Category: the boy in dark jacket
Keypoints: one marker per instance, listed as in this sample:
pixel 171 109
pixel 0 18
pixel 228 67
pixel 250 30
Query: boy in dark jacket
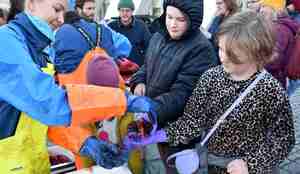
pixel 174 61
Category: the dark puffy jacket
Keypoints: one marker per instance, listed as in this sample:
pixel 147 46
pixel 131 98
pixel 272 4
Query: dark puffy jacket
pixel 172 67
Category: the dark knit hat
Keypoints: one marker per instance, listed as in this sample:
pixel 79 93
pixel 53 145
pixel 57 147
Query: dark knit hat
pixel 126 4
pixel 103 71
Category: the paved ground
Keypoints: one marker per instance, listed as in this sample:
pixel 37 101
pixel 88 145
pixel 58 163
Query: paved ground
pixel 292 164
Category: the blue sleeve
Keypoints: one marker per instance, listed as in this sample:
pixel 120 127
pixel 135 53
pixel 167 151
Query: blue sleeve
pixel 68 54
pixel 213 29
pixel 26 87
pixel 121 44
pixel 71 4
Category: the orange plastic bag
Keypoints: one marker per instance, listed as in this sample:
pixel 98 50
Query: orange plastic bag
pixel 71 137
pixel 91 103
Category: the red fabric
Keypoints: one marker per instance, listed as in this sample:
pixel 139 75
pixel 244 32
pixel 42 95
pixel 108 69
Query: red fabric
pixel 127 68
pixel 294 63
pixel 103 135
pixel 296 4
pixel 284 43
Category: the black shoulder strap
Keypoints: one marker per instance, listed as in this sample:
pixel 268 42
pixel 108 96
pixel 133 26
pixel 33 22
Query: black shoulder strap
pixel 88 38
pixel 98 36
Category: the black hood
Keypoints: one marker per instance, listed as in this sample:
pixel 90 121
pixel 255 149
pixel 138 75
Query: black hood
pixel 192 8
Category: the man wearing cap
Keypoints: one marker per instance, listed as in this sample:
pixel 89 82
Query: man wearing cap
pixel 134 29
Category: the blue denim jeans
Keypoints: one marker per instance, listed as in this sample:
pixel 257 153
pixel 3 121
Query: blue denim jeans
pixel 293 85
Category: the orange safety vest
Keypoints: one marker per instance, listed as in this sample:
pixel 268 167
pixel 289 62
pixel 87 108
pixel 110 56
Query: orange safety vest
pixel 91 103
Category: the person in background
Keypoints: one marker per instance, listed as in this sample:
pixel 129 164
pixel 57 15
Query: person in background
pixel 225 9
pixel 134 29
pixel 16 6
pixel 86 9
pixel 285 29
pixel 293 7
pixel 259 132
pixel 174 61
pixel 3 17
pixel 69 54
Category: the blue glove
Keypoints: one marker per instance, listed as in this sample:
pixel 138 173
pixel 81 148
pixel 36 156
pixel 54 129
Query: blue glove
pixel 139 103
pixel 134 142
pixel 104 154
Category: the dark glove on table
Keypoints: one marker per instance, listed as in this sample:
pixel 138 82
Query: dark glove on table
pixel 103 153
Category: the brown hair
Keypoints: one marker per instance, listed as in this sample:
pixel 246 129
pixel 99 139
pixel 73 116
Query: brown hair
pixel 250 33
pixel 232 6
pixel 80 3
pixel 16 6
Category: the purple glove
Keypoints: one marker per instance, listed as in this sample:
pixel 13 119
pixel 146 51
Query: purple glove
pixel 134 142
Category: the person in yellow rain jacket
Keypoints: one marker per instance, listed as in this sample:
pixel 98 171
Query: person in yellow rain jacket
pixel 30 100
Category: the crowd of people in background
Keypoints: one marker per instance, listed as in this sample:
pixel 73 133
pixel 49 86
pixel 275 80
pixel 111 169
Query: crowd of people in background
pixel 244 70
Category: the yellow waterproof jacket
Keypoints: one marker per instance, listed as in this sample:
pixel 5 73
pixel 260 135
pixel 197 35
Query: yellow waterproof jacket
pixel 26 152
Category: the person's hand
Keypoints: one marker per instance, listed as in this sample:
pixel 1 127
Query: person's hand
pixel 220 12
pixel 139 103
pixel 136 141
pixel 140 89
pixel 238 166
pixel 103 153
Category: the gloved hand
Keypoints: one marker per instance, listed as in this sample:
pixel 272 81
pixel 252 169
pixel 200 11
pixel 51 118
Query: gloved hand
pixel 104 154
pixel 148 118
pixel 133 142
pixel 139 103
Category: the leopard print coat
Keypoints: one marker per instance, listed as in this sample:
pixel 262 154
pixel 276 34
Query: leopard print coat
pixel 260 130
